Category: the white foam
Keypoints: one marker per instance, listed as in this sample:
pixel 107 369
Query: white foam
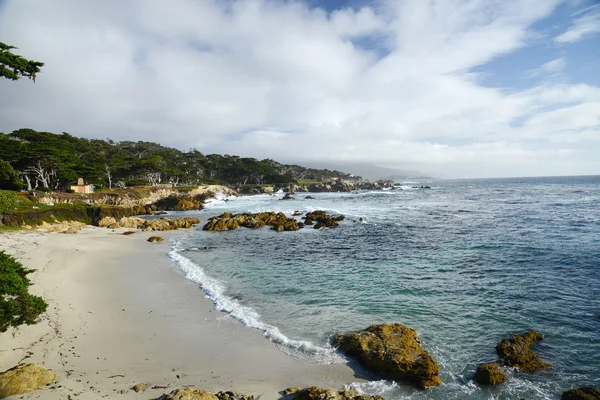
pixel 215 290
pixel 372 388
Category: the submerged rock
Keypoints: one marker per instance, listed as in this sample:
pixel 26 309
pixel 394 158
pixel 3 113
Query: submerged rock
pixel 24 378
pixel 582 393
pixel 189 394
pixel 315 393
pixel 391 351
pixel 489 374
pixel 516 352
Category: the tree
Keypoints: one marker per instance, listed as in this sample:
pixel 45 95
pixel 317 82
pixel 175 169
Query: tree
pixel 17 306
pixel 9 178
pixel 13 66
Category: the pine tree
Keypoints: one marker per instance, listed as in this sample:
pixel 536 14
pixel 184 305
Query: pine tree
pixel 13 66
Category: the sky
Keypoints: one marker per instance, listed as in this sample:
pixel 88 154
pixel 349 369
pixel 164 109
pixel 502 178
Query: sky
pixel 451 88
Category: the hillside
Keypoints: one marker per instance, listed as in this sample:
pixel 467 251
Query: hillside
pixel 54 161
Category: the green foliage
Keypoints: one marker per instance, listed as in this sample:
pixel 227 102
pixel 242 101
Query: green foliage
pixel 17 306
pixel 62 158
pixel 8 201
pixel 13 66
pixel 9 178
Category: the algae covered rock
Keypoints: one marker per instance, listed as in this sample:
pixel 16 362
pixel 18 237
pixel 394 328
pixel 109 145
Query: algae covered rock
pixel 393 352
pixel 489 374
pixel 516 352
pixel 189 394
pixel 290 390
pixel 315 393
pixel 24 378
pixel 155 239
pixel 582 393
pixel 229 395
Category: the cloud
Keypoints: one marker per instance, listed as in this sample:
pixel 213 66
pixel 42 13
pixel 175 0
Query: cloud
pixel 389 84
pixel 551 68
pixel 586 23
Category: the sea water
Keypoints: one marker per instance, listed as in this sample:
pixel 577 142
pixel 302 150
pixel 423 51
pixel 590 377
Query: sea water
pixel 466 263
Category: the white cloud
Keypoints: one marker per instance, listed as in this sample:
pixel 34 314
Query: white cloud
pixel 586 24
pixel 387 84
pixel 551 68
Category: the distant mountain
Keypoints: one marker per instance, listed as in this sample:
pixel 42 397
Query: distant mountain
pixel 368 171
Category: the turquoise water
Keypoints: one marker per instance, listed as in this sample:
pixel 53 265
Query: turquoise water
pixel 466 263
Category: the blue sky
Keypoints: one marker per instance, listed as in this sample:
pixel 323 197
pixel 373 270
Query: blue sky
pixel 455 88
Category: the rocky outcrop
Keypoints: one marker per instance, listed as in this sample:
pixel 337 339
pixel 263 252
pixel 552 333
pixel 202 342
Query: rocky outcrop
pixel 189 394
pixel 287 196
pixel 393 352
pixel 155 239
pixel 158 224
pixel 321 219
pixel 315 393
pixel 489 374
pixel 180 202
pixel 516 352
pixel 277 221
pixel 24 378
pixel 582 393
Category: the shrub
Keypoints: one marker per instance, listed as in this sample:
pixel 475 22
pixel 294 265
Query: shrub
pixel 8 201
pixel 17 306
pixel 9 178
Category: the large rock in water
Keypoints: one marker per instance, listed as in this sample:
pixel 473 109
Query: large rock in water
pixel 315 393
pixel 393 352
pixel 516 352
pixel 489 374
pixel 189 394
pixel 24 378
pixel 583 393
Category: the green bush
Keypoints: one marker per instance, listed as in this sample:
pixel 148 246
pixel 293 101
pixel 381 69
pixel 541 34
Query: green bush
pixel 17 306
pixel 8 201
pixel 9 178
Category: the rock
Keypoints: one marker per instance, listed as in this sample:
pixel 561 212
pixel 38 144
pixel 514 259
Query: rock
pixel 24 378
pixel 315 393
pixel 290 390
pixel 516 352
pixel 139 387
pixel 582 393
pixel 168 224
pixel 287 196
pixel 131 222
pixel 127 233
pixel 278 221
pixel 309 198
pixel 106 222
pixel 155 239
pixel 233 396
pixel 391 351
pixel 297 213
pixel 189 394
pixel 489 374
pixel 323 219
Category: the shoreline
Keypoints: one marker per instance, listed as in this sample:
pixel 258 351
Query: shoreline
pixel 121 312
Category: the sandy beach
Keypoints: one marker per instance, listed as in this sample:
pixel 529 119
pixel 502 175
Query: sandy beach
pixel 121 312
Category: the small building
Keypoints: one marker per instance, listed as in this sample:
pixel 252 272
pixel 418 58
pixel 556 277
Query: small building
pixel 82 188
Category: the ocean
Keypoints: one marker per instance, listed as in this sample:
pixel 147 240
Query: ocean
pixel 466 263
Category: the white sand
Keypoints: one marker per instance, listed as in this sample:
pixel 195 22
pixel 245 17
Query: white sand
pixel 120 313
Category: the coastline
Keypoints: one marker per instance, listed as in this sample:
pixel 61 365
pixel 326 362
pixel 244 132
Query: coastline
pixel 121 312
